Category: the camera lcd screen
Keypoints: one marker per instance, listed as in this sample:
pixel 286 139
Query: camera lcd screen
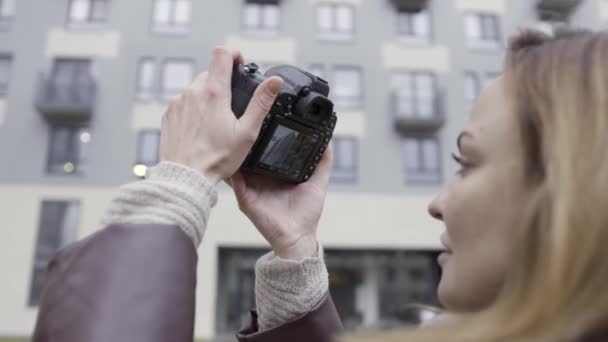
pixel 288 150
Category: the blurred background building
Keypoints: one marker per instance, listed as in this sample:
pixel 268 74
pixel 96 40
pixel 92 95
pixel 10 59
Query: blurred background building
pixel 84 83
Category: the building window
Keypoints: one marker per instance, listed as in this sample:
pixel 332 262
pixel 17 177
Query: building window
pixel 261 16
pixel 88 11
pixel 422 159
pixel 336 21
pixel 347 87
pixel 176 76
pixel 7 9
pixel 68 150
pixel 147 151
pixel 5 74
pixel 172 15
pixel 345 163
pixel 482 31
pixel 414 27
pixel 415 94
pixel 146 79
pixel 164 84
pixel 58 226
pixel 472 88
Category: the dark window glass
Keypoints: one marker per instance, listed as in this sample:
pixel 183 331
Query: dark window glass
pixel 68 150
pixel 359 279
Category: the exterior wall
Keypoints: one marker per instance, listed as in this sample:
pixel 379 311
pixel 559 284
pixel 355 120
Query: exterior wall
pixel 390 213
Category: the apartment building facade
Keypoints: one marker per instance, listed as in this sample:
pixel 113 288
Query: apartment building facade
pixel 84 83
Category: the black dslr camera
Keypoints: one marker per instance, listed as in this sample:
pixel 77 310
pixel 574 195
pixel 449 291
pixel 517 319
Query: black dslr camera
pixel 298 128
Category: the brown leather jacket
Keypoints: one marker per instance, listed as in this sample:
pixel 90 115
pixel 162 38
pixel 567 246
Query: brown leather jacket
pixel 137 283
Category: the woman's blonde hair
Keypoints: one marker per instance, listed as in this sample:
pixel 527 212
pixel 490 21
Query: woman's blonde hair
pixel 557 286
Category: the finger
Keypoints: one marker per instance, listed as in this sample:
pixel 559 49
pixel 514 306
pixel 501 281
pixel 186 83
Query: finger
pixel 260 104
pixel 220 67
pixel 323 171
pixel 200 80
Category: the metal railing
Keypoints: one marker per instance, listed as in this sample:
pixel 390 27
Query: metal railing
pixel 66 100
pixel 417 114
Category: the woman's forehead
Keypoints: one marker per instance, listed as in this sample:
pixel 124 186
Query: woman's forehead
pixel 493 118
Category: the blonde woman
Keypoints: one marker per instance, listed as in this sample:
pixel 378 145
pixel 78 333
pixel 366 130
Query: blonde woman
pixel 525 217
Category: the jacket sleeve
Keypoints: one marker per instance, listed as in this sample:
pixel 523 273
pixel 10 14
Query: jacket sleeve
pixel 125 283
pixel 321 324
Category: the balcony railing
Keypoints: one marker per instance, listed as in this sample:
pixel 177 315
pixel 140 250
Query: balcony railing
pixel 72 102
pixel 556 10
pixel 412 6
pixel 417 114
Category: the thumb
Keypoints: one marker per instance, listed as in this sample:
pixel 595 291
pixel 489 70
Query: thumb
pixel 260 104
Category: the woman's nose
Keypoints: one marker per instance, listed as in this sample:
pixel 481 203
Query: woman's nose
pixel 435 208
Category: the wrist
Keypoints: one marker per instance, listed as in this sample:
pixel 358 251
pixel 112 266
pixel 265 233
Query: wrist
pixel 304 247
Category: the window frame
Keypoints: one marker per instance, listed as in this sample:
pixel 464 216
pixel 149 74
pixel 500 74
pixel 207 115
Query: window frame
pixel 360 102
pixel 162 95
pixel 470 103
pixel 422 175
pixel 487 41
pixel 90 19
pixel 139 149
pixel 54 165
pixel 4 87
pixel 334 34
pixel 262 27
pixel 345 174
pixel 414 95
pixel 7 17
pixel 412 36
pixel 171 27
pixel 154 88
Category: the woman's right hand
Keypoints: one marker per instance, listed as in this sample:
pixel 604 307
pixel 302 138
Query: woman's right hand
pixel 286 215
pixel 200 130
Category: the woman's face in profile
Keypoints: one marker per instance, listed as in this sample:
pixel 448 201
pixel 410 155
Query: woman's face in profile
pixel 481 204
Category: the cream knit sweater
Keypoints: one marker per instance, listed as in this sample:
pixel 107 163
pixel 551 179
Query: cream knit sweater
pixel 177 195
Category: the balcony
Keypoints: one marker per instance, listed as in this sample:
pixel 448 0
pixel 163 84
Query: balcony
pixel 556 10
pixel 411 6
pixel 417 115
pixel 66 102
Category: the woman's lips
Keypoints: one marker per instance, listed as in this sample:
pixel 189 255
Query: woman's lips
pixel 445 255
pixel 443 258
pixel 445 241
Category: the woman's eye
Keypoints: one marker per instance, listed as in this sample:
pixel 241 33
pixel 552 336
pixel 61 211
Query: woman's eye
pixel 464 165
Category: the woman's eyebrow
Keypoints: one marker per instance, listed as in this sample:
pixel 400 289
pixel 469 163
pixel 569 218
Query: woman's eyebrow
pixel 462 135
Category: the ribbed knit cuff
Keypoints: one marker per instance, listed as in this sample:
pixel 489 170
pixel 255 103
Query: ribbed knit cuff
pixel 286 289
pixel 170 194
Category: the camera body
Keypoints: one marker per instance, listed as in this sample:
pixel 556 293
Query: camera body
pixel 298 128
